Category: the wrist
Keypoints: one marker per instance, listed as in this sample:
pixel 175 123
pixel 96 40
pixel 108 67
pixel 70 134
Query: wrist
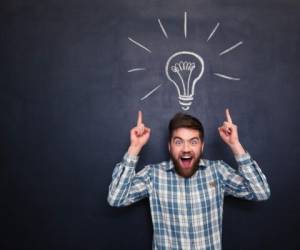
pixel 237 149
pixel 134 150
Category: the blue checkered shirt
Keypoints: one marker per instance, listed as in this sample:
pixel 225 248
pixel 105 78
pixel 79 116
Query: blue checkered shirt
pixel 187 212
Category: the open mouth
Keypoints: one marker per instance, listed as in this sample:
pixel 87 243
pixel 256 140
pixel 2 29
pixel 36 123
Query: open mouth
pixel 186 161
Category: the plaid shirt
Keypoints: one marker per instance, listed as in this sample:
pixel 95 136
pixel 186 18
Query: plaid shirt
pixel 187 212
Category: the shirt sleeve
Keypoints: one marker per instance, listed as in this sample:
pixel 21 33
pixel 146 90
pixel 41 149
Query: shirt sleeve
pixel 127 186
pixel 248 182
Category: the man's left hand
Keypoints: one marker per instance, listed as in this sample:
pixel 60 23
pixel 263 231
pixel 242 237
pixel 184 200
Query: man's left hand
pixel 229 134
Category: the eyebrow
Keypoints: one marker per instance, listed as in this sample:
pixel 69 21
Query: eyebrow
pixel 177 137
pixel 193 138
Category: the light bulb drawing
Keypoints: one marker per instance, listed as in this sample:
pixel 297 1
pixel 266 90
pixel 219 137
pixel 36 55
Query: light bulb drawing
pixel 184 69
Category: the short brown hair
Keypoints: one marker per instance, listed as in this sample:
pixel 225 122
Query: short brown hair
pixel 182 120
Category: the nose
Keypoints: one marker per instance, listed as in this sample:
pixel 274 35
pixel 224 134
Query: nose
pixel 186 147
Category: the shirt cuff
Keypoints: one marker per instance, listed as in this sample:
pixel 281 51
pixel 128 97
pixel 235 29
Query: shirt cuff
pixel 131 160
pixel 243 158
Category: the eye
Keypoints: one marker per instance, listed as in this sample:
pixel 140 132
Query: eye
pixel 194 141
pixel 177 142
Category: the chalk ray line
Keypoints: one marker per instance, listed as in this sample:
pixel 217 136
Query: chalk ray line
pixel 140 45
pixel 227 77
pixel 136 69
pixel 185 24
pixel 231 48
pixel 163 29
pixel 213 32
pixel 150 93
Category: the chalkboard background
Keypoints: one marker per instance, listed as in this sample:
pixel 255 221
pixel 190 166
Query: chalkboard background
pixel 67 103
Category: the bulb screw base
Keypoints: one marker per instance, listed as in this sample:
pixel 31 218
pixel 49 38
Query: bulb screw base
pixel 185 102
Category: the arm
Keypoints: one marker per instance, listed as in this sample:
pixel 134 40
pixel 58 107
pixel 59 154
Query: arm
pixel 127 186
pixel 248 182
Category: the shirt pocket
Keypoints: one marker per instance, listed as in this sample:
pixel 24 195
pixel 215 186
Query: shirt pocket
pixel 208 194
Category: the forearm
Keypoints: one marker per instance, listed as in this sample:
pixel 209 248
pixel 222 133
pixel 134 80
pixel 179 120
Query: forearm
pixel 121 179
pixel 257 181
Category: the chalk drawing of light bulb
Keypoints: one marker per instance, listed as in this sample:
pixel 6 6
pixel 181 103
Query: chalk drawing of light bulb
pixel 184 69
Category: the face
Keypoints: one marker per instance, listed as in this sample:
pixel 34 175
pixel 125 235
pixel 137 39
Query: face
pixel 185 149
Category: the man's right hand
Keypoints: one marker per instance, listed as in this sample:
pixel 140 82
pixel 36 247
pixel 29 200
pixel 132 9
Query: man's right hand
pixel 139 136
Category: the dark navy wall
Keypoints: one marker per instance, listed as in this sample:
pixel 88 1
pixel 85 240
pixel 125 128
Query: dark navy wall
pixel 67 103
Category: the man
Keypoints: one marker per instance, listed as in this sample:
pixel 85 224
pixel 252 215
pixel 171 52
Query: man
pixel 186 194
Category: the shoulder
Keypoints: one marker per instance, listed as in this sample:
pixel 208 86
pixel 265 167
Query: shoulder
pixel 151 169
pixel 214 168
pixel 161 166
pixel 210 164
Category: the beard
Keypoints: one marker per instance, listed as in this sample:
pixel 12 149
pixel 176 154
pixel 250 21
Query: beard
pixel 184 168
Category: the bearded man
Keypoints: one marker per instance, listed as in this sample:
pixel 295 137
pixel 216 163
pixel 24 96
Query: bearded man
pixel 186 194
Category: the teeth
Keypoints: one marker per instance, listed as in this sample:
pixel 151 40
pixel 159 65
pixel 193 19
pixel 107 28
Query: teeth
pixel 186 157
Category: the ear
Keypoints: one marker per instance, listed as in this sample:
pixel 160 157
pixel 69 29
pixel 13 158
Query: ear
pixel 169 147
pixel 203 146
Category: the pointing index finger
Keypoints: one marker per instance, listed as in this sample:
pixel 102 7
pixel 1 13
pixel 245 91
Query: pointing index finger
pixel 140 118
pixel 228 117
